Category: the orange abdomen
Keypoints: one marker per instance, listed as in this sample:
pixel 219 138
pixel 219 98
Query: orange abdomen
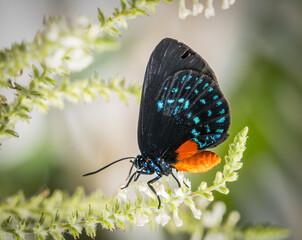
pixel 198 162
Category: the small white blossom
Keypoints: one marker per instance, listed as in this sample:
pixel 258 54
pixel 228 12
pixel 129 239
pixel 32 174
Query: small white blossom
pixel 225 4
pixel 55 60
pixel 196 212
pixel 197 7
pixel 180 196
pixel 162 218
pixel 122 194
pixel 183 180
pixel 146 190
pixel 161 191
pixel 78 60
pixel 119 217
pixel 203 186
pixel 233 218
pixel 93 32
pixel 71 42
pixel 214 217
pixel 83 21
pixel 53 33
pixel 183 11
pixel 177 220
pixel 141 220
pixel 209 11
pixel 214 236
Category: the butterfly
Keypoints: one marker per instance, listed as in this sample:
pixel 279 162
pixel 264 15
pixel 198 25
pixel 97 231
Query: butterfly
pixel 182 114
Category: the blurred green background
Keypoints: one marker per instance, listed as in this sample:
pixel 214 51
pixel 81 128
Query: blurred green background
pixel 255 48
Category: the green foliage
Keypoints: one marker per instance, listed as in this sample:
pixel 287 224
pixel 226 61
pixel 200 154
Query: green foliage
pixel 262 232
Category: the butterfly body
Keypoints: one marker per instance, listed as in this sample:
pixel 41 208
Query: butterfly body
pixel 183 113
pixel 150 166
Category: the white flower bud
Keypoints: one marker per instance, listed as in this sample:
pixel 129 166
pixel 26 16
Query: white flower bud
pixel 141 220
pixel 78 60
pixel 161 191
pixel 162 218
pixel 55 60
pixel 225 4
pixel 214 236
pixel 214 217
pixel 146 190
pixel 196 212
pixel 209 11
pixel 183 11
pixel 197 7
pixel 177 220
pixel 122 195
pixel 71 42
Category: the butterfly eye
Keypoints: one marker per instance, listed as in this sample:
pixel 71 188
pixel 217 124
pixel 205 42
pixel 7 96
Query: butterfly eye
pixel 187 54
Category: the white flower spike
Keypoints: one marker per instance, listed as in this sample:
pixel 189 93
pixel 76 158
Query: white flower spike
pixel 198 7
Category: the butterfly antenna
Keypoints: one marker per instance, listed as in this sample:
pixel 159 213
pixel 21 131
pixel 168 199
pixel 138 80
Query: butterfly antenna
pixel 101 169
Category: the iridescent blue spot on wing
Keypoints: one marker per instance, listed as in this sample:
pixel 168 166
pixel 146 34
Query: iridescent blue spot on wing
pixel 217 136
pixel 160 105
pixel 222 111
pixel 196 120
pixel 175 111
pixel 170 101
pixel 174 90
pixel 196 91
pixel 201 144
pixel 219 130
pixel 207 127
pixel 215 97
pixel 210 89
pixel 202 101
pixel 200 80
pixel 181 100
pixel 188 87
pixel 186 105
pixel 189 115
pixel 195 132
pixel 219 103
pixel 205 86
pixel 209 113
pixel 220 120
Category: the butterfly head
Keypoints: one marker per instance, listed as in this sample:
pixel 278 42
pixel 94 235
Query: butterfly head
pixel 139 161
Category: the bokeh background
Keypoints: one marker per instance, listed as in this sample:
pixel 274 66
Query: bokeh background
pixel 255 48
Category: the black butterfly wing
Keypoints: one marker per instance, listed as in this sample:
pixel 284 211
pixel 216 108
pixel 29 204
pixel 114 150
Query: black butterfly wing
pixel 181 100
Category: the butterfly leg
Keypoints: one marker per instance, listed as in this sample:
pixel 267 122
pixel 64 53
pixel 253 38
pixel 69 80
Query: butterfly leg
pixel 129 181
pixel 186 184
pixel 153 189
pixel 130 170
pixel 178 183
pixel 137 176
